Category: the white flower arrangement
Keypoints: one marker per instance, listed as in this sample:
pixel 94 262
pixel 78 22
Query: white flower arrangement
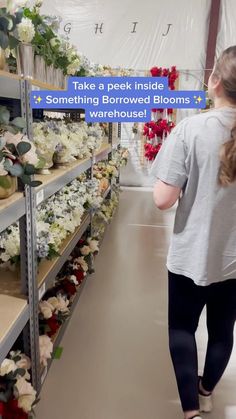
pixel 9 245
pixel 73 67
pixel 59 304
pixel 14 372
pixel 107 209
pixel 54 305
pixel 26 30
pixel 7 366
pixel 69 140
pixel 25 394
pixel 80 262
pixel 120 157
pixel 45 138
pixel 93 244
pixel 13 5
pixel 45 349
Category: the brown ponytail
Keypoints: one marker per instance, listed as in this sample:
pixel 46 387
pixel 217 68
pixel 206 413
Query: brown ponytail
pixel 225 69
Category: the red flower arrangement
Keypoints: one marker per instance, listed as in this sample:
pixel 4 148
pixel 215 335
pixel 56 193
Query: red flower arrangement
pixel 53 324
pixel 10 410
pixel 80 275
pixel 68 287
pixel 156 131
pixel 151 150
pixel 172 74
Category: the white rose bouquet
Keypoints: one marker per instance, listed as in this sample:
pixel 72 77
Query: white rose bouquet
pixel 17 393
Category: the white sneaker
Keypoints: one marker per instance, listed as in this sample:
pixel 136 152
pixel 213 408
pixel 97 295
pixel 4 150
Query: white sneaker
pixel 206 404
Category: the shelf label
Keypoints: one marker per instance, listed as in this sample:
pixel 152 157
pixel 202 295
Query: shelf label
pixel 40 197
pixel 42 291
pixel 44 374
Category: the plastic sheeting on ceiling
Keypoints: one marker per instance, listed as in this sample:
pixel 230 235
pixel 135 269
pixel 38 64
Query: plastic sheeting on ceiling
pixel 226 36
pixel 184 45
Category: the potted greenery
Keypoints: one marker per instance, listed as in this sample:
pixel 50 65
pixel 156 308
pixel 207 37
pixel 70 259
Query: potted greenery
pixel 8 23
pixel 18 157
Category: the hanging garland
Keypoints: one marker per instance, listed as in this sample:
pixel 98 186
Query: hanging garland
pixel 157 130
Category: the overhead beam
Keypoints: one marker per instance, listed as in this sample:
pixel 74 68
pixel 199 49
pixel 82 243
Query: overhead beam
pixel 212 37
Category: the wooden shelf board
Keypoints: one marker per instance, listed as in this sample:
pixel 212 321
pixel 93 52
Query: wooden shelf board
pixel 5 203
pixel 44 86
pixel 103 148
pixel 58 172
pixel 10 309
pixel 9 75
pixel 10 283
pixel 11 209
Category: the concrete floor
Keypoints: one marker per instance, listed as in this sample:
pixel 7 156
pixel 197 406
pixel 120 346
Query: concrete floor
pixel 115 363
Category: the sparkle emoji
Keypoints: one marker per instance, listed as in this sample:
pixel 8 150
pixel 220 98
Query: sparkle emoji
pixel 198 99
pixel 37 100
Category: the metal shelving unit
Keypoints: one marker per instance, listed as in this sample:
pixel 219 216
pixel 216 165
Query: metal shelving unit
pixel 102 154
pixel 14 314
pixel 14 301
pixel 19 297
pixel 60 177
pixel 10 85
pixel 11 209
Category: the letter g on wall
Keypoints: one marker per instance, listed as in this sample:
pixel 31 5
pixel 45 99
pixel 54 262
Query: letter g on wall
pixel 67 28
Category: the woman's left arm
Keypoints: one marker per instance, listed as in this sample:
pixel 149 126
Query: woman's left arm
pixel 165 195
pixel 169 169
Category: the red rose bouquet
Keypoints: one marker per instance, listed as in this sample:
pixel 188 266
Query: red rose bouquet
pixel 156 131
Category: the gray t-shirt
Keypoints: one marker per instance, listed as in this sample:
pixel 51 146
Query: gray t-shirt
pixel 203 244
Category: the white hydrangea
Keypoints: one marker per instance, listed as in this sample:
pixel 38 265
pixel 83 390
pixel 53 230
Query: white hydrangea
pixel 26 30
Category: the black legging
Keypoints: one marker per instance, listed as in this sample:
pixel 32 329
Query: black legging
pixel 186 302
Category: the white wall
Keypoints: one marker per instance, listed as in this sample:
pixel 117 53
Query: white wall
pixel 227 32
pixel 117 46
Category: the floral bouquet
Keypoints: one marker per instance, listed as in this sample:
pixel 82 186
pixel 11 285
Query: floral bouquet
pixel 10 16
pixel 157 130
pixel 120 157
pixel 77 267
pixel 155 133
pixel 17 158
pixel 45 140
pixel 105 214
pixel 10 247
pixel 53 313
pixel 17 395
pixel 45 349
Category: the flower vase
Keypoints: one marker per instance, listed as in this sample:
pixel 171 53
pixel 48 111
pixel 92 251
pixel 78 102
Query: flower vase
pixel 25 60
pixel 65 82
pixel 2 59
pixel 59 159
pixel 6 192
pixel 50 74
pixel 48 158
pixel 61 79
pixel 39 68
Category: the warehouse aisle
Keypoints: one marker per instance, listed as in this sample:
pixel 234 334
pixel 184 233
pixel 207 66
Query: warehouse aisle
pixel 115 363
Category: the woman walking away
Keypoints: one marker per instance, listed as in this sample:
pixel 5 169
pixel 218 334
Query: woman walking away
pixel 197 165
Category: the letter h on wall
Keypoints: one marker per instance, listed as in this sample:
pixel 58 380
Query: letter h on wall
pixel 98 28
